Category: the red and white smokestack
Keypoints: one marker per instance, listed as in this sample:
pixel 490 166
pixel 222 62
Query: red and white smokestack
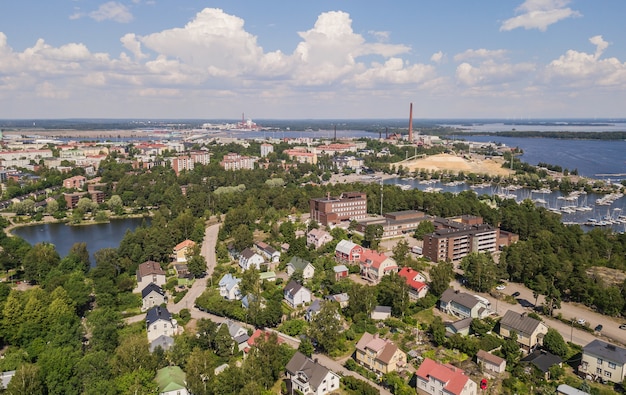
pixel 411 124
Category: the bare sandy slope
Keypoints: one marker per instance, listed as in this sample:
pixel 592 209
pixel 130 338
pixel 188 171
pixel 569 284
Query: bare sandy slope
pixel 455 164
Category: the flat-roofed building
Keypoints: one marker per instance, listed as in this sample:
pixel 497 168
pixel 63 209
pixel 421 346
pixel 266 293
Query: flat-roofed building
pixel 331 210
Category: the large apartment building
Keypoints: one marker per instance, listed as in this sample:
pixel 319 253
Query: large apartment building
pixel 331 210
pixel 456 238
pixel 233 161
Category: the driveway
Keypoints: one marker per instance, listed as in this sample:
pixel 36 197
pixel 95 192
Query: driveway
pixel 207 250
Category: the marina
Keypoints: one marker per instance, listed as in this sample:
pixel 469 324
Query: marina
pixel 576 208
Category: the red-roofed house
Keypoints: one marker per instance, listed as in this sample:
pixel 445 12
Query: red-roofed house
pixel 416 282
pixel 379 355
pixel 374 265
pixel 257 333
pixel 435 378
pixel 182 249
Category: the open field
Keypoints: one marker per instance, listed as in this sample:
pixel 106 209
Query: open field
pixel 455 164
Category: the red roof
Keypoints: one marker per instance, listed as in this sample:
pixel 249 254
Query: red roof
pixel 184 244
pixel 257 333
pixel 410 274
pixel 372 257
pixel 454 379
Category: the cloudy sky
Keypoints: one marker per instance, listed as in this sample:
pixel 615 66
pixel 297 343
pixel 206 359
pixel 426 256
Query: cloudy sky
pixel 314 59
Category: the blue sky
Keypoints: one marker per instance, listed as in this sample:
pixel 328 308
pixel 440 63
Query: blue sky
pixel 315 59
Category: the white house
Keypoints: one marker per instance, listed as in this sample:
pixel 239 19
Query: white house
pixel 159 322
pixel 317 238
pixel 229 287
pixel 296 295
pixel 297 264
pixel 435 378
pixel 309 377
pixel 249 258
pixel 149 272
pixel 268 252
pixel 152 295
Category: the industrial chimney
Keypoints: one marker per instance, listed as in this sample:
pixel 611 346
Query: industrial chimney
pixel 411 124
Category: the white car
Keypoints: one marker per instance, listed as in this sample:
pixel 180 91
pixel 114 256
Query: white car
pixel 500 287
pixel 581 321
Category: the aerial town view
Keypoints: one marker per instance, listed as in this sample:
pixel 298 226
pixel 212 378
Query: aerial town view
pixel 318 198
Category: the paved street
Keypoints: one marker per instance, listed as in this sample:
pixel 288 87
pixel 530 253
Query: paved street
pixel 207 250
pixel 568 310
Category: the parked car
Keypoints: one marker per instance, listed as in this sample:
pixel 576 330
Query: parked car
pixel 501 287
pixel 581 321
pixel 515 294
pixel 623 326
pixel 483 384
pixel 598 328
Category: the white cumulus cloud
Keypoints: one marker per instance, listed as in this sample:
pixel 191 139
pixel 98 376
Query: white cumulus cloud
pixel 539 14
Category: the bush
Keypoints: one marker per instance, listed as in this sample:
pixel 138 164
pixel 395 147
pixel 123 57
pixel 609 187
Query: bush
pixel 356 386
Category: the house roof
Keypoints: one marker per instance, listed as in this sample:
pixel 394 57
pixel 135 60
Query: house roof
pixel 298 263
pixel 163 341
pixel 454 379
pixel 520 323
pixel 485 356
pixel 158 313
pixel 248 253
pixel 171 378
pixel 267 275
pixel 340 268
pixel 293 288
pixel 374 258
pixel 314 372
pixel 606 351
pixel 384 349
pixel 569 390
pixel 345 246
pixel 184 244
pixel 316 306
pixel 319 233
pixel 266 247
pixel 542 359
pixel 409 275
pixel 460 324
pixel 257 333
pixel 342 297
pixel 152 287
pixel 382 309
pixel 461 298
pixel 228 281
pixel 149 268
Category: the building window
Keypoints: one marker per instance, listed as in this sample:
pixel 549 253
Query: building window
pixel 599 370
pixel 607 373
pixel 599 361
pixel 612 365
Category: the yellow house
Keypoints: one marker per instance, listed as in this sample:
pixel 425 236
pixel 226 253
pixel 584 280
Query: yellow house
pixel 379 355
pixel 182 249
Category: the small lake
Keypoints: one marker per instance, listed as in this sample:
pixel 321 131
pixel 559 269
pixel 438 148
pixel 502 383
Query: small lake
pixel 97 236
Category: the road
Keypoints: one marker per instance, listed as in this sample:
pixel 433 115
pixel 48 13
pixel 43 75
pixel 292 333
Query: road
pixel 569 311
pixel 338 368
pixel 207 250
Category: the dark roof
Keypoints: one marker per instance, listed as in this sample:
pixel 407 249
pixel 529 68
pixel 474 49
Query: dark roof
pixel 248 253
pixel 494 359
pixel 149 268
pixel 311 369
pixel 382 309
pixel 293 287
pixel 606 351
pixel 542 360
pixel 460 298
pixel 460 324
pixel 520 323
pixel 152 287
pixel 157 313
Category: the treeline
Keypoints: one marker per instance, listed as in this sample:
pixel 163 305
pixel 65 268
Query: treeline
pixel 565 135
